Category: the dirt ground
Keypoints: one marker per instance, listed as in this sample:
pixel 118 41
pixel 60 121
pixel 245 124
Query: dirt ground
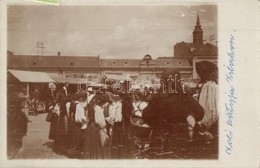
pixel 36 145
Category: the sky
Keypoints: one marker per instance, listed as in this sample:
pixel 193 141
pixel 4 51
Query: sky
pixel 108 31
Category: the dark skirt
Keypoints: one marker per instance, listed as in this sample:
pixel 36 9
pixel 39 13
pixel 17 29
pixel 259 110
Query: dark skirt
pixel 92 148
pixel 118 134
pixel 74 140
pixel 61 134
pixel 53 127
pixel 118 142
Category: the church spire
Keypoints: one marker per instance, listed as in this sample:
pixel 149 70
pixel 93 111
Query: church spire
pixel 198 32
pixel 198 20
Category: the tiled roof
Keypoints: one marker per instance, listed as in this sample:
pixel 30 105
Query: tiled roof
pixel 71 62
pixel 52 61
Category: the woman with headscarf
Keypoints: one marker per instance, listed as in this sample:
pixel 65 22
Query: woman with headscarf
pixel 77 124
pixel 62 126
pixel 95 135
pixel 115 124
pixel 138 105
pixel 52 117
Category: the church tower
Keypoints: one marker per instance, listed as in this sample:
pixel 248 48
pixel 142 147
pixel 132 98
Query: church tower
pixel 198 32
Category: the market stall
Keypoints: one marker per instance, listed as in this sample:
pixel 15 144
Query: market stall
pixel 18 78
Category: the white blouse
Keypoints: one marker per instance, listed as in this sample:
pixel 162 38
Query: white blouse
pixel 139 107
pixel 80 113
pixel 99 117
pixel 115 112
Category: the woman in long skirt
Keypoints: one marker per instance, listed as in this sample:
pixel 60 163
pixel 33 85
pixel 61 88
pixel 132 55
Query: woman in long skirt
pixel 95 136
pixel 77 125
pixel 60 143
pixel 116 131
pixel 54 111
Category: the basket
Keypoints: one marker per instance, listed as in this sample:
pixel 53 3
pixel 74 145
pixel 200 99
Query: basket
pixel 138 122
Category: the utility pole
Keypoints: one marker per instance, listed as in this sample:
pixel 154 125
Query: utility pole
pixel 40 45
pixel 212 38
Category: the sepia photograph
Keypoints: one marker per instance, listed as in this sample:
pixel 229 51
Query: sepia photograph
pixel 110 82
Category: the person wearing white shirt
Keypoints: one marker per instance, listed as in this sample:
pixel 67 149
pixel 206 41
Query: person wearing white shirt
pixel 115 127
pixel 65 88
pixel 115 112
pixel 78 124
pixel 138 105
pixel 95 137
pixel 80 116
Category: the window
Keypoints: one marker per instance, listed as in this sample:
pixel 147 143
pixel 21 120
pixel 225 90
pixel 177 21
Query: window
pixel 179 63
pixel 114 63
pixel 71 63
pixel 34 63
pixel 147 63
pixel 167 63
pixel 125 63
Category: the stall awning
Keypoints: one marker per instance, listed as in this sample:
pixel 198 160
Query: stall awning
pixel 70 80
pixel 31 77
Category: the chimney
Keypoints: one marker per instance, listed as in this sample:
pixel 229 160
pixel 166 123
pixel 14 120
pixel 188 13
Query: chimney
pixel 58 53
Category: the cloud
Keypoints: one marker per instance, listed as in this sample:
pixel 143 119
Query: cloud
pixel 136 24
pixel 207 24
pixel 118 32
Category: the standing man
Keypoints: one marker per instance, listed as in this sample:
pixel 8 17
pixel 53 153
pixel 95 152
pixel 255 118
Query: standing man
pixel 35 100
pixel 172 106
pixel 24 102
pixel 65 88
pixel 64 93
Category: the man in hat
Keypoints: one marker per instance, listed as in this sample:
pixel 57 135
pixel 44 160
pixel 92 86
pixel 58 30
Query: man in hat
pixel 171 106
pixel 208 97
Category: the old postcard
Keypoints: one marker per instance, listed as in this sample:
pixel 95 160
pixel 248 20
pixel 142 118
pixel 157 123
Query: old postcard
pixel 130 84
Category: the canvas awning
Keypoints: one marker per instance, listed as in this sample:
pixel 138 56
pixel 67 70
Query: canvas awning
pixel 70 80
pixel 31 77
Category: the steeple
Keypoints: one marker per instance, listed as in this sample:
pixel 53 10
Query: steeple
pixel 198 32
pixel 198 20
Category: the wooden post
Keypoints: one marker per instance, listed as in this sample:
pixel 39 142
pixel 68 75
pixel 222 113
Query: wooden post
pixel 27 87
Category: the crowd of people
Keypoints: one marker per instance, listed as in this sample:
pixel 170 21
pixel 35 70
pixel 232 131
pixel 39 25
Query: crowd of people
pixel 97 125
pixel 85 124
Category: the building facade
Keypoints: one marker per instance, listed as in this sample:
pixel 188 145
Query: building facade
pixel 93 67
